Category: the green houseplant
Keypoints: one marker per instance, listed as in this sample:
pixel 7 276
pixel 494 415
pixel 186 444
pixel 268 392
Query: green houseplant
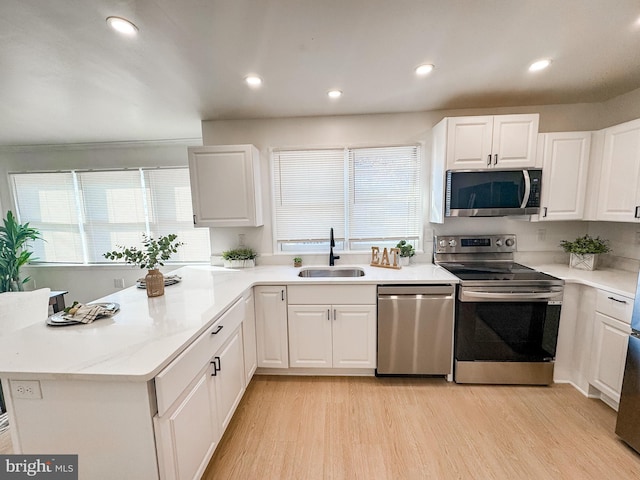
pixel 153 255
pixel 14 253
pixel 297 261
pixel 584 251
pixel 239 258
pixel 406 251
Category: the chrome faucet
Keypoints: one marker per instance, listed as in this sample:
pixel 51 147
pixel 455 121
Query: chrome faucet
pixel 332 257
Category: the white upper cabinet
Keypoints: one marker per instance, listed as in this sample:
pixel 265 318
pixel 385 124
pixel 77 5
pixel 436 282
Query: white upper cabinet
pixel 501 141
pixel 564 174
pixel 619 195
pixel 225 186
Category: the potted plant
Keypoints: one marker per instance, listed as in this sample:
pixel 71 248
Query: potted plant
pixel 239 258
pixel 406 252
pixel 152 256
pixel 585 251
pixel 14 238
pixel 297 262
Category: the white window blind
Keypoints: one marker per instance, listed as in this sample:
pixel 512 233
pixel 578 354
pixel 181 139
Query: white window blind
pixel 384 194
pixel 370 196
pixel 83 214
pixel 309 194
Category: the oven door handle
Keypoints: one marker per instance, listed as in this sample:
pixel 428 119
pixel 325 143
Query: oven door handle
pixel 511 295
pixel 527 189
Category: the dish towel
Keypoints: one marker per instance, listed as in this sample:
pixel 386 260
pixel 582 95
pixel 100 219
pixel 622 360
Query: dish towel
pixel 88 313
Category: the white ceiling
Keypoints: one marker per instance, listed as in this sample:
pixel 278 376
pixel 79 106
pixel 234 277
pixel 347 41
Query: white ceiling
pixel 65 77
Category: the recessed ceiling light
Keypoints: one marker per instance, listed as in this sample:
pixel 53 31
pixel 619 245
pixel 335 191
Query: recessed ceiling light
pixel 334 93
pixel 253 81
pixel 424 69
pixel 539 65
pixel 122 25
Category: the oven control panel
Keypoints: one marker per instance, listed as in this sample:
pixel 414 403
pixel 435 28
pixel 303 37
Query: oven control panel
pixel 504 243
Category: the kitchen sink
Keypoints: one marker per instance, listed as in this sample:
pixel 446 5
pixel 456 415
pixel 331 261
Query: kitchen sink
pixel 331 272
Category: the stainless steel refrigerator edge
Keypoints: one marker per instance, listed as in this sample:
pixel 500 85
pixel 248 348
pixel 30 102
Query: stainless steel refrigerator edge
pixel 415 330
pixel 628 423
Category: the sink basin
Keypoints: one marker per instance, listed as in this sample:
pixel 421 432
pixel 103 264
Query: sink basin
pixel 331 272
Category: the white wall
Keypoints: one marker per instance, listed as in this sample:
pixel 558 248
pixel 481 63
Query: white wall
pixel 384 129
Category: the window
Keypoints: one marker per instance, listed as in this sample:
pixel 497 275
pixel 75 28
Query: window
pixel 83 214
pixel 369 196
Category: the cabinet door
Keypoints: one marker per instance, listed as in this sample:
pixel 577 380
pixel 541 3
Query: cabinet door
pixel 564 175
pixel 610 340
pixel 514 141
pixel 271 326
pixel 249 337
pixel 469 142
pixel 187 435
pixel 310 335
pixel 229 378
pixel 354 336
pixel 618 197
pixel 225 186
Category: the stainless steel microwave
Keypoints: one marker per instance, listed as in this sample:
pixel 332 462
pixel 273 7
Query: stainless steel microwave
pixel 492 193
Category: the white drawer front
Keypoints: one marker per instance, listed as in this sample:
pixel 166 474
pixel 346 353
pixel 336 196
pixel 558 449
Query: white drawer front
pixel 614 305
pixel 172 381
pixel 331 294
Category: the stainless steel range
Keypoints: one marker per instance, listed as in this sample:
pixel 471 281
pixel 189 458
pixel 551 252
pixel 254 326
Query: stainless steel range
pixel 507 314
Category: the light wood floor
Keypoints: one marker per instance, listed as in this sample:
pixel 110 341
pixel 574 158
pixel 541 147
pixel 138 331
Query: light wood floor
pixel 307 428
pixel 377 429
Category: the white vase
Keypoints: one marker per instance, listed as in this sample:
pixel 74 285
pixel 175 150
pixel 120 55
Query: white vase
pixel 584 261
pixel 404 261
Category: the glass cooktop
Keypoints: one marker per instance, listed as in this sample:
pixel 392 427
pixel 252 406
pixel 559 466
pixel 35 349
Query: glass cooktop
pixel 495 271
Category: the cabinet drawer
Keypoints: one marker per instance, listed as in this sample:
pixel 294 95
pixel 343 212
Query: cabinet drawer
pixel 614 305
pixel 331 294
pixel 172 381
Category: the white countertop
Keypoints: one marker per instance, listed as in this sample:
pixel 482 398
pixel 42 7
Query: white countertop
pixel 147 333
pixel 620 282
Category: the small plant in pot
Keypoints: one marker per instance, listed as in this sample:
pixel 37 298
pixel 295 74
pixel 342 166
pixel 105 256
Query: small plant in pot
pixel 585 251
pixel 297 262
pixel 153 255
pixel 406 251
pixel 239 258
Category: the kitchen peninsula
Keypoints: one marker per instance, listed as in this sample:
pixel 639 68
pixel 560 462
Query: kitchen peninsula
pixel 119 392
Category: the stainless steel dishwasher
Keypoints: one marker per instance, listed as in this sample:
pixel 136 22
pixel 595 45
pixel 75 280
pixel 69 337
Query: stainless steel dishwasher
pixel 415 330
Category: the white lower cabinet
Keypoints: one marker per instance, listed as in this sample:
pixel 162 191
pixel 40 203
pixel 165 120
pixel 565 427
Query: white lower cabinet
pixel 332 335
pixel 271 326
pixel 228 378
pixel 249 336
pixel 611 331
pixel 197 395
pixel 188 434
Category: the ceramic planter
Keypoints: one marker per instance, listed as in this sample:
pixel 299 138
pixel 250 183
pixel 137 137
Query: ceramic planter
pixel 240 263
pixel 584 261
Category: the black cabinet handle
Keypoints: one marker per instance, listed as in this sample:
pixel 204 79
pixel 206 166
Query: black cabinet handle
pixel 637 213
pixel 488 162
pixel 545 212
pixel 334 314
pixel 194 220
pixel 217 330
pixel 217 366
pixel 282 294
pixel 495 159
pixel 328 315
pixel 616 300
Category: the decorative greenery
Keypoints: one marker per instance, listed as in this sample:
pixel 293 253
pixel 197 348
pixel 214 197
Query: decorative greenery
pixel 406 249
pixel 586 244
pixel 154 253
pixel 239 254
pixel 14 239
pixel 297 259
